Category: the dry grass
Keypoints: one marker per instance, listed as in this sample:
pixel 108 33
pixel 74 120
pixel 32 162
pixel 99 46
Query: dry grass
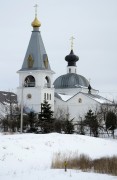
pixel 107 165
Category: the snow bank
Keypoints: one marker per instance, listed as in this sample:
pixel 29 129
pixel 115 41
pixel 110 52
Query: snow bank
pixel 29 156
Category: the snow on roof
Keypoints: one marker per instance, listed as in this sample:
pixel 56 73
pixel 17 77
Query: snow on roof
pixel 4 94
pixel 102 100
pixel 65 97
pixel 99 99
pixel 109 95
pixel 7 97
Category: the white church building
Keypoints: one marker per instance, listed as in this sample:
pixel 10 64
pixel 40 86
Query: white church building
pixel 70 92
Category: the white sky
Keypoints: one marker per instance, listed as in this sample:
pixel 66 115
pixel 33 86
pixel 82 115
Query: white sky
pixel 93 23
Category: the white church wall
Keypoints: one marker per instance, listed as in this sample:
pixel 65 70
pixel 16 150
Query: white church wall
pixel 40 78
pixel 38 92
pixel 78 109
pixel 49 92
pixel 29 97
pixel 37 97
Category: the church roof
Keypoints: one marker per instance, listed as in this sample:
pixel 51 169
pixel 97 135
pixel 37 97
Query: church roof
pixel 95 97
pixel 36 57
pixel 99 98
pixel 70 80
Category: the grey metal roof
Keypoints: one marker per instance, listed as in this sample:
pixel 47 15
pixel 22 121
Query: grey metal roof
pixel 95 97
pixel 38 53
pixel 56 95
pixel 8 97
pixel 99 98
pixel 70 80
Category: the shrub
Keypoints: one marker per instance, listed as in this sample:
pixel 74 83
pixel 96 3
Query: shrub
pixel 107 165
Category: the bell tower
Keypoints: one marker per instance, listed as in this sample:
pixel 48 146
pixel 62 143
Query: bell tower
pixel 35 75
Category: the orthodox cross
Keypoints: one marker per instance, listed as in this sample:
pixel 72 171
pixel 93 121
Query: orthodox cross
pixel 36 6
pixel 72 42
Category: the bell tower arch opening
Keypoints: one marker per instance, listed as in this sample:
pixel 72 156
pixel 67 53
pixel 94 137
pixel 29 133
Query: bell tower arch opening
pixel 29 81
pixel 47 82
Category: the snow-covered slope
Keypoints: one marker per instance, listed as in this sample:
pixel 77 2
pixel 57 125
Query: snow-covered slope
pixel 29 156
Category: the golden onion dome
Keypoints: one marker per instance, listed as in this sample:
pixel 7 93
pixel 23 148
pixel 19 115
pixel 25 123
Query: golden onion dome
pixel 36 23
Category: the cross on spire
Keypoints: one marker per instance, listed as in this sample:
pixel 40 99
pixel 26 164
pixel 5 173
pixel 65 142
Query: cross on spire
pixel 72 42
pixel 36 6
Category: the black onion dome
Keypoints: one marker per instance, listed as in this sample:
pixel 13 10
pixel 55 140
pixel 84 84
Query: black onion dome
pixel 71 59
pixel 70 80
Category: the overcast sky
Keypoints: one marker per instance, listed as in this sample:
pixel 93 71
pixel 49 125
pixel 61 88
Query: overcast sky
pixel 93 23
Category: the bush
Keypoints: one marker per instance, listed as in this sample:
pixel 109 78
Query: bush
pixel 107 165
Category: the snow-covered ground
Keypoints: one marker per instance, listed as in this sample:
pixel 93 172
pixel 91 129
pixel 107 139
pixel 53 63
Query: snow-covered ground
pixel 29 156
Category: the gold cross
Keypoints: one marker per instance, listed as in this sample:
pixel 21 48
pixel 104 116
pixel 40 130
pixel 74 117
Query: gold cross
pixel 72 42
pixel 36 6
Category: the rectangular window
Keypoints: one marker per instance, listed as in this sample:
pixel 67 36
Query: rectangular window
pixel 45 96
pixel 69 70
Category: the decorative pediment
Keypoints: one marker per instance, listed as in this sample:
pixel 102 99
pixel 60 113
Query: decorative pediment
pixel 30 61
pixel 45 58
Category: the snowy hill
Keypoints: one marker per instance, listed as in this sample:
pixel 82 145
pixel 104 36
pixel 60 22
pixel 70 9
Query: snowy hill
pixel 29 156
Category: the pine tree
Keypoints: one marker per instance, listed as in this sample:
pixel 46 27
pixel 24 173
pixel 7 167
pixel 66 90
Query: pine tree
pixel 111 122
pixel 91 121
pixel 68 126
pixel 31 120
pixel 46 120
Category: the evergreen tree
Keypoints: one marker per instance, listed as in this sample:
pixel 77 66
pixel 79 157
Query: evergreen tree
pixel 46 120
pixel 111 122
pixel 81 127
pixel 91 121
pixel 31 121
pixel 58 125
pixel 68 126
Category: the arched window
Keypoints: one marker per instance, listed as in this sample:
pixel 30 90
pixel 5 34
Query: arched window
pixel 47 82
pixel 29 81
pixel 80 100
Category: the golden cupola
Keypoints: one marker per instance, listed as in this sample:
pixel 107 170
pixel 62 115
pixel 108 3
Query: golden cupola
pixel 36 23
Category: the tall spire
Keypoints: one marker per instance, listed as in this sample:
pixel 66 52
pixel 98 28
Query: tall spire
pixel 36 57
pixel 36 23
